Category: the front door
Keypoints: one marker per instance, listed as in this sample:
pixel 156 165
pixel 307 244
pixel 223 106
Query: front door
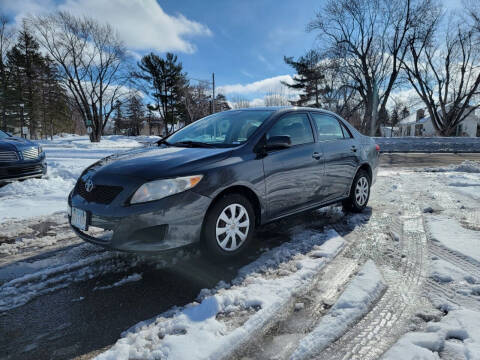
pixel 293 176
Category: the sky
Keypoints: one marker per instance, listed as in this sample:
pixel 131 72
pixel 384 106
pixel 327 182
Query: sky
pixel 242 42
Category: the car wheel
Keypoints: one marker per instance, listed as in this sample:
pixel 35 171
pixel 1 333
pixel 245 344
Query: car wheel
pixel 228 227
pixel 359 193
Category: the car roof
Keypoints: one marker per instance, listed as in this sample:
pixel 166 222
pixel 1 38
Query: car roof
pixel 279 109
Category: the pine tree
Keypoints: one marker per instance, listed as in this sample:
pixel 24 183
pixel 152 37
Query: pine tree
pixel 135 114
pixel 309 79
pixel 167 83
pixel 25 63
pixel 118 118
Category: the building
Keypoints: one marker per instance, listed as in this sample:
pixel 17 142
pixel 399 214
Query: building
pixel 417 124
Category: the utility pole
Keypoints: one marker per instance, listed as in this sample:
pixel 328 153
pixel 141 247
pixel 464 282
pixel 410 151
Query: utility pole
pixel 213 93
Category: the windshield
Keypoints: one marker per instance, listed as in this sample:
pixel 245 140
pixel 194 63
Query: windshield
pixel 3 135
pixel 225 129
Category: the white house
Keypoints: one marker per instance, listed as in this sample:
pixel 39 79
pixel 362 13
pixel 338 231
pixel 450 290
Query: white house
pixel 417 124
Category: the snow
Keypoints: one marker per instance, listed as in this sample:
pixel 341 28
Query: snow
pixel 458 332
pixel 445 272
pixel 67 156
pixel 128 279
pixel 453 236
pixel 352 305
pixel 428 144
pixel 214 326
pixel 467 166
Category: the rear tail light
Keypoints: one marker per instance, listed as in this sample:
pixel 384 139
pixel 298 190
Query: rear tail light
pixel 377 147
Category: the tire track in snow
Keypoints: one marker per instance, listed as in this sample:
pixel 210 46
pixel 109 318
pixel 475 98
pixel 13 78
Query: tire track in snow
pixel 378 330
pixel 445 291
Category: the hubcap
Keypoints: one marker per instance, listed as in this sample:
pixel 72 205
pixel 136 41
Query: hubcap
pixel 361 191
pixel 232 227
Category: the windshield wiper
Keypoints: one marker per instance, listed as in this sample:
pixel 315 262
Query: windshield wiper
pixel 193 144
pixel 164 142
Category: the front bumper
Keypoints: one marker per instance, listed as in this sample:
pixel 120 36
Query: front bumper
pixel 23 170
pixel 158 226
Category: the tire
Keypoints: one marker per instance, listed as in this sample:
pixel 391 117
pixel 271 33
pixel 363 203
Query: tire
pixel 359 193
pixel 230 241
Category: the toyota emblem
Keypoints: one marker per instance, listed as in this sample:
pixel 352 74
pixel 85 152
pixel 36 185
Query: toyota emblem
pixel 89 185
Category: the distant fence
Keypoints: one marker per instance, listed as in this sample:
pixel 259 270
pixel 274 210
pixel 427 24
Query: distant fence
pixel 429 144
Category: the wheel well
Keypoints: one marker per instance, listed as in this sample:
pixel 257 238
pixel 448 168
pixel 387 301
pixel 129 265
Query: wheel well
pixel 368 169
pixel 245 191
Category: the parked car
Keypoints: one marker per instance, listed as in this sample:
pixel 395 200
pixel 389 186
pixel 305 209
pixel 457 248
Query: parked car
pixel 217 179
pixel 20 159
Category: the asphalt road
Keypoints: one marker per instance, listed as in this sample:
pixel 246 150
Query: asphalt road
pixel 58 325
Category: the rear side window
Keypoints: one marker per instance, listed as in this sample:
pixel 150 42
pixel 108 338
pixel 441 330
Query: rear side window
pixel 328 127
pixel 297 126
pixel 346 132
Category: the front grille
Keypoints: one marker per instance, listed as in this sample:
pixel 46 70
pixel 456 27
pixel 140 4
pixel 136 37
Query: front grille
pixel 24 170
pixel 100 194
pixel 8 156
pixel 30 153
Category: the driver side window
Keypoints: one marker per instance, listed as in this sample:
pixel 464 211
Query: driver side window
pixel 297 126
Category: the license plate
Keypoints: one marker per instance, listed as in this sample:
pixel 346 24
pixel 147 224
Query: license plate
pixel 79 219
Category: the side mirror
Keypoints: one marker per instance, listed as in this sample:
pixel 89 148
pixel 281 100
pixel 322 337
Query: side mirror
pixel 278 143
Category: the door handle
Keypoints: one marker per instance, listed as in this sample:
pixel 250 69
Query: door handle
pixel 316 156
pixel 354 149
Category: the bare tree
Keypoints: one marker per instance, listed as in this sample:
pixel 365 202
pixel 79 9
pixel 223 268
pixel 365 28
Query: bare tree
pixel 240 102
pixel 197 100
pixel 368 37
pixel 278 97
pixel 444 69
pixel 90 56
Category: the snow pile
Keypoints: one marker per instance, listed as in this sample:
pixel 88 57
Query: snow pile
pixel 107 142
pixel 222 321
pixel 128 279
pixel 78 264
pixel 457 334
pixel 453 236
pixel 352 305
pixel 428 144
pixel 467 166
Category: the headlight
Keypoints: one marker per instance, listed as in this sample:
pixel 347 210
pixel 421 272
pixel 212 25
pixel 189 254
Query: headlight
pixel 159 189
pixel 40 150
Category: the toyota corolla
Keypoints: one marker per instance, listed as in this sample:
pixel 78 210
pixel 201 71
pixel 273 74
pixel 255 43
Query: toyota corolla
pixel 215 180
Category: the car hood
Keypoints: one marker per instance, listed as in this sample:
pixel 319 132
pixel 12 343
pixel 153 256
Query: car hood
pixel 158 162
pixel 14 143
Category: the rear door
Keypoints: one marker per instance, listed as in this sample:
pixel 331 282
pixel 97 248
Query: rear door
pixel 340 151
pixel 293 176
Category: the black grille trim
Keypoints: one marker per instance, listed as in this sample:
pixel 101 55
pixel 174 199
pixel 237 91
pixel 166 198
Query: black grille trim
pixel 100 194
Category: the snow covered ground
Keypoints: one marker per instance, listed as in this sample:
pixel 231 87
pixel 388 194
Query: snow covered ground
pixel 66 156
pixel 429 144
pixel 310 294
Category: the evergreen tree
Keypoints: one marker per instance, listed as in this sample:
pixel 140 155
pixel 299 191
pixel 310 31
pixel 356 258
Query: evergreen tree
pixel 404 113
pixel 309 79
pixel 25 63
pixel 118 118
pixel 167 82
pixel 135 114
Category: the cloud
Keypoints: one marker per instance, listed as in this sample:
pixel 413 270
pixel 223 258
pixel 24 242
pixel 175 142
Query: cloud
pixel 261 86
pixel 142 24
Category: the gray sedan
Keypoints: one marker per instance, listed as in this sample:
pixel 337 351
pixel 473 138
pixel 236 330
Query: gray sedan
pixel 217 179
